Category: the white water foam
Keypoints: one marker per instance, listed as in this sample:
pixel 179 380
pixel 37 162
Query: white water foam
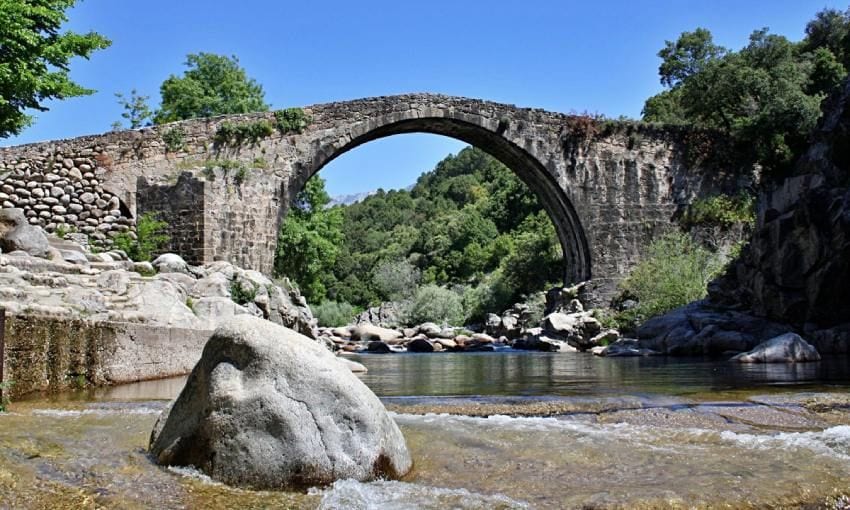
pixel 392 495
pixel 832 442
pixel 71 413
pixel 193 473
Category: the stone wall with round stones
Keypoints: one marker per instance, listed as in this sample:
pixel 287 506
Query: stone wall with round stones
pixel 60 191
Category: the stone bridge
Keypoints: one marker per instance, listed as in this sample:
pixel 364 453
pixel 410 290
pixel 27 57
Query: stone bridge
pixel 609 187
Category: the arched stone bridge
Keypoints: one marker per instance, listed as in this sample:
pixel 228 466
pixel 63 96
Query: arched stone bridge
pixel 609 189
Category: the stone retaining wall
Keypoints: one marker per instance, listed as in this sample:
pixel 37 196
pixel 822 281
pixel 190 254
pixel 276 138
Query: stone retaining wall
pixel 46 354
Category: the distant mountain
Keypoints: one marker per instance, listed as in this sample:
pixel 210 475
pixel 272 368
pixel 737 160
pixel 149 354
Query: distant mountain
pixel 353 198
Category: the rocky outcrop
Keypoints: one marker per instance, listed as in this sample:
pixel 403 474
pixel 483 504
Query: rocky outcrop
pixel 78 284
pixel 702 329
pixel 796 268
pixel 795 273
pixel 387 315
pixel 787 348
pixel 267 408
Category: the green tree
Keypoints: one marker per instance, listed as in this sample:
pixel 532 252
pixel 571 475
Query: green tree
pixel 34 59
pixel 212 85
pixel 136 109
pixel 310 240
pixel 687 56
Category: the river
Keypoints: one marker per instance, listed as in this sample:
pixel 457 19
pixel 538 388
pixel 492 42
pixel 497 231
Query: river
pixel 606 433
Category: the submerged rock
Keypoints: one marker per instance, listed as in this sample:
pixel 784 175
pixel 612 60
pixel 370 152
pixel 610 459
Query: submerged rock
pixel 787 348
pixel 267 408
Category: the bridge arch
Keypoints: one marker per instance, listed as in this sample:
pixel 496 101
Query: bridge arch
pixel 485 134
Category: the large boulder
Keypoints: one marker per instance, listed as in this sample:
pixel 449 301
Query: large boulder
pixel 171 263
pixel 367 332
pixel 787 348
pixel 578 329
pixel 703 329
pixel 16 234
pixel 267 408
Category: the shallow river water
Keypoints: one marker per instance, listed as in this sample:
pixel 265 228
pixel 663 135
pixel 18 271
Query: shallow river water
pixel 616 433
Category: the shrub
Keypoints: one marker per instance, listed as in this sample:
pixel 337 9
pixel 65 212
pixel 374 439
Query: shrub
pixel 291 120
pixel 241 295
pixel 333 314
pixel 150 238
pixel 174 139
pixel 396 280
pixel 435 304
pixel 721 210
pixel 675 272
pixel 234 135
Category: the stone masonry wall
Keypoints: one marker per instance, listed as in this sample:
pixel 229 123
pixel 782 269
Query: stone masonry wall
pixel 61 190
pixel 608 194
pixel 181 205
pixel 49 354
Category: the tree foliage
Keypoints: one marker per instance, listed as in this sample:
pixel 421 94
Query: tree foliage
pixel 310 240
pixel 212 85
pixel 35 57
pixel 765 97
pixel 470 225
pixel 136 110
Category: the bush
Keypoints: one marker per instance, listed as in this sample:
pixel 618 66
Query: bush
pixel 721 210
pixel 395 280
pixel 332 314
pixel 235 135
pixel 435 304
pixel 240 295
pixel 675 272
pixel 291 120
pixel 149 238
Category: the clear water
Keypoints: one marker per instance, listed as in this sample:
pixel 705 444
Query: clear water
pixel 647 433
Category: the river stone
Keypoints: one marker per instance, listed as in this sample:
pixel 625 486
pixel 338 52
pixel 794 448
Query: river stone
pixel 420 345
pixel 366 332
pixel 787 348
pixel 378 347
pixel 429 329
pixel 267 408
pixel 357 368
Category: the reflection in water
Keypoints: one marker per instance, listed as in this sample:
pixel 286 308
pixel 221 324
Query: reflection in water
pixel 560 374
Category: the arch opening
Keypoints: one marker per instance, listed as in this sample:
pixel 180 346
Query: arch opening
pixel 529 169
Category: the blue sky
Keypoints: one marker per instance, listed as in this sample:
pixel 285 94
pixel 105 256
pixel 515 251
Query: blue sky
pixel 597 56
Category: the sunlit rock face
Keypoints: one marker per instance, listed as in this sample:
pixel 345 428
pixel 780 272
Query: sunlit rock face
pixel 268 408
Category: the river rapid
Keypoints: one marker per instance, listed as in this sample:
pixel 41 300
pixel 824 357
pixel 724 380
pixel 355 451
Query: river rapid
pixel 490 430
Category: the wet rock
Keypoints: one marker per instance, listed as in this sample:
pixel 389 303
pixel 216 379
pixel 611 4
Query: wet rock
pixel 787 348
pixel 267 408
pixel 624 347
pixel 378 347
pixel 420 345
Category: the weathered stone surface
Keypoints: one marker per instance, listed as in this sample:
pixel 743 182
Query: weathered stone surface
pixel 702 329
pixel 367 332
pixel 267 408
pixel 787 348
pixel 386 316
pixel 378 347
pixel 17 234
pixel 578 329
pixel 170 263
pixel 796 267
